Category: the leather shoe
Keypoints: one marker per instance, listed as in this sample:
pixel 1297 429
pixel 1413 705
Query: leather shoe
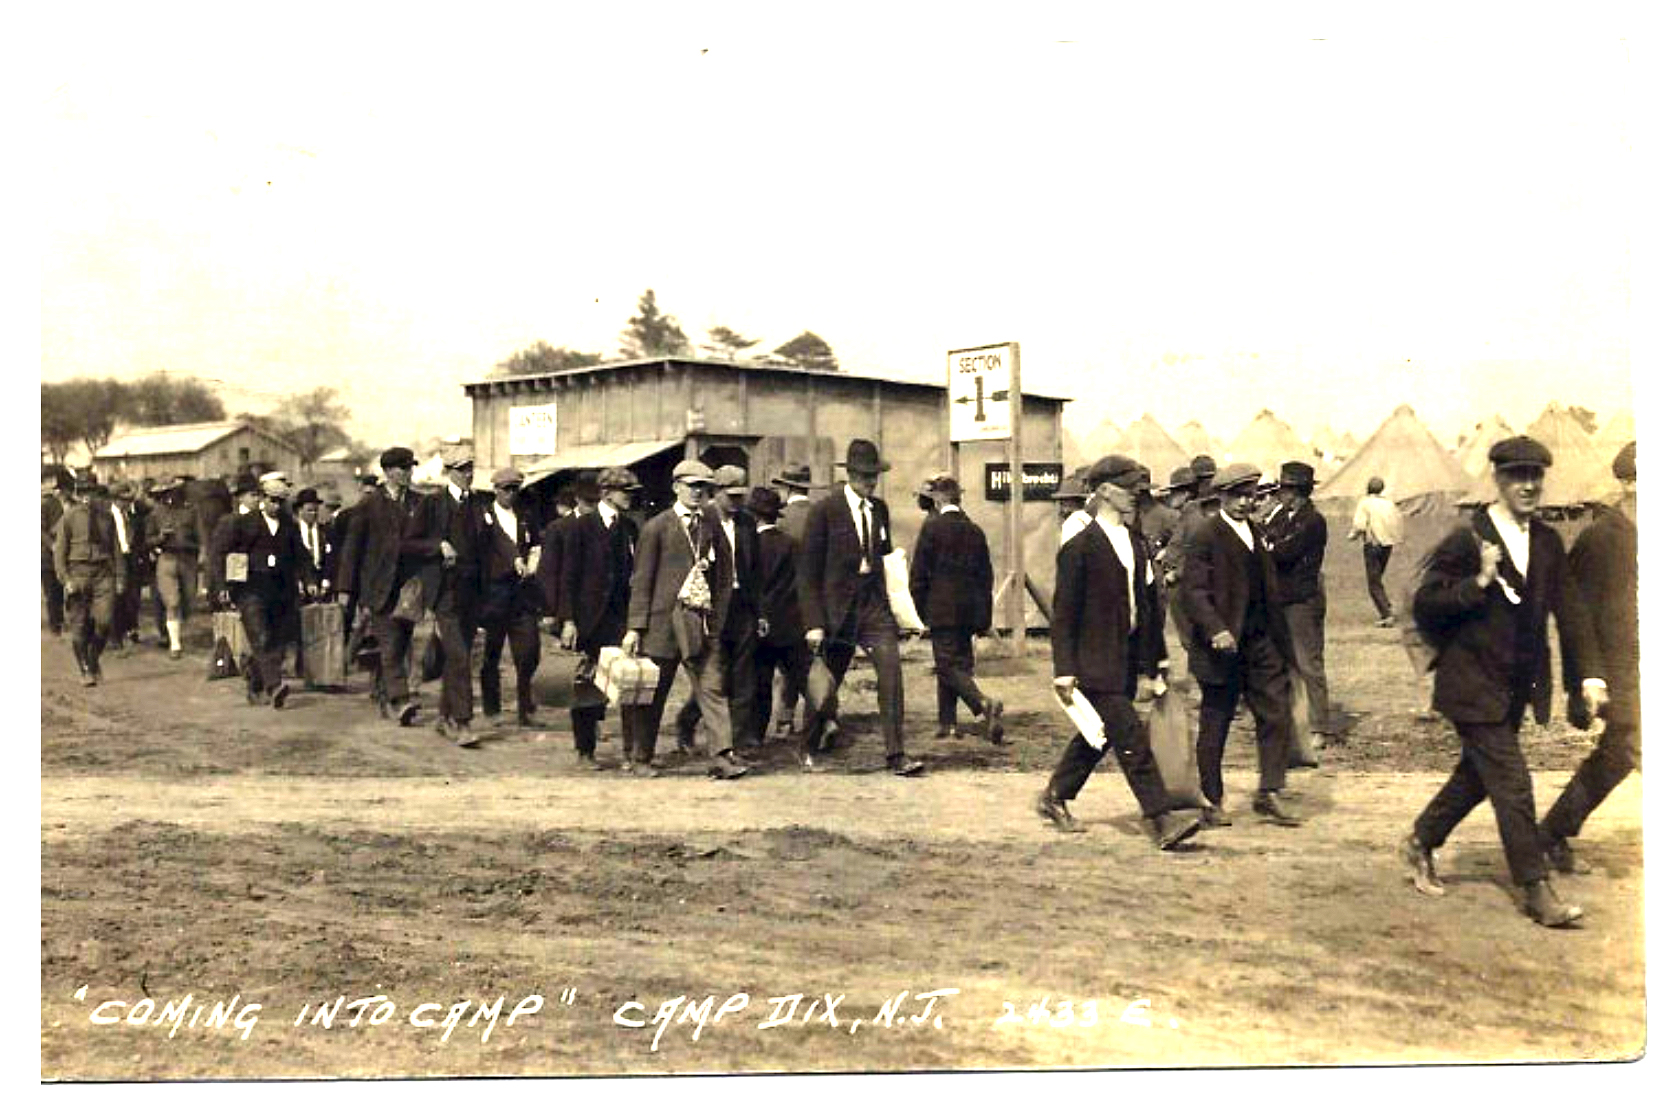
pixel 904 767
pixel 1546 908
pixel 1172 829
pixel 280 694
pixel 1420 861
pixel 685 740
pixel 1268 805
pixel 1213 816
pixel 1053 810
pixel 1561 856
pixel 832 738
pixel 992 711
pixel 725 768
pixel 407 714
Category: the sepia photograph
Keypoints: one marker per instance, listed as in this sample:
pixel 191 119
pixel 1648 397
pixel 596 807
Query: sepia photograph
pixel 570 554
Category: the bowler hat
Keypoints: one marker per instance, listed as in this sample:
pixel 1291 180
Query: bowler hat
pixel 245 484
pixel 796 476
pixel 308 496
pixel 398 457
pixel 1237 476
pixel 692 470
pixel 1202 468
pixel 1520 451
pixel 585 488
pixel 618 478
pixel 764 502
pixel 1624 463
pixel 863 456
pixel 731 478
pixel 1118 470
pixel 1295 474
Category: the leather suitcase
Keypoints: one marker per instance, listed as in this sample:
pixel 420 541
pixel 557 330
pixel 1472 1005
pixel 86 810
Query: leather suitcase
pixel 323 646
pixel 626 681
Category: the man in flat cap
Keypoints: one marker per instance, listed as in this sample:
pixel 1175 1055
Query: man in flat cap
pixel 89 564
pixel 268 597
pixel 1297 534
pixel 600 556
pixel 841 590
pixel 1602 565
pixel 674 543
pixel 781 645
pixel 1107 643
pixel 443 536
pixel 175 538
pixel 952 583
pixel 509 599
pixel 1239 644
pixel 1379 522
pixel 581 496
pixel 1484 602
pixel 375 566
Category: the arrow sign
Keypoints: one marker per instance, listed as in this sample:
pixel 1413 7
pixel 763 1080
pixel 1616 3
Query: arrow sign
pixel 980 393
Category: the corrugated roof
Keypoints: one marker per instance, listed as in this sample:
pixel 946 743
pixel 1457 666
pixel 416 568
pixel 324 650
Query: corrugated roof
pixel 176 439
pixel 931 381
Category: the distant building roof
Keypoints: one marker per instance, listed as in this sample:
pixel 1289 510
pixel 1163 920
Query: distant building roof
pixel 178 439
pixel 929 381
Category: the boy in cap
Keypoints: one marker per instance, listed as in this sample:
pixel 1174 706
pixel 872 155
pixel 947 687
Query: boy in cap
pixel 1602 565
pixel 443 536
pixel 1239 644
pixel 89 565
pixel 1297 534
pixel 952 583
pixel 509 600
pixel 268 599
pixel 600 554
pixel 1485 602
pixel 1107 642
pixel 374 567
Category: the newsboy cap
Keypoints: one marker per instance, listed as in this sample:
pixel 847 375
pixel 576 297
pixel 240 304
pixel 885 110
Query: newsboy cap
pixel 274 485
pixel 692 470
pixel 1117 470
pixel 507 476
pixel 1237 476
pixel 458 458
pixel 1624 463
pixel 1181 476
pixel 618 478
pixel 1520 451
pixel 731 478
pixel 398 457
pixel 1295 474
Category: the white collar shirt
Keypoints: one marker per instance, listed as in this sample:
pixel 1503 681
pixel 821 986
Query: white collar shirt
pixel 727 523
pixel 1072 525
pixel 1516 537
pixel 608 514
pixel 1122 541
pixel 121 525
pixel 456 491
pixel 271 523
pixel 508 521
pixel 861 512
pixel 1241 528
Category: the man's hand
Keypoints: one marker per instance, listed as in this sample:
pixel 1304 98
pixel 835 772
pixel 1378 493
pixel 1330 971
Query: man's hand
pixel 343 597
pixel 448 553
pixel 1223 642
pixel 1595 695
pixel 763 628
pixel 311 590
pixel 569 635
pixel 1064 687
pixel 1490 554
pixel 632 640
pixel 1144 690
pixel 520 567
pixel 814 638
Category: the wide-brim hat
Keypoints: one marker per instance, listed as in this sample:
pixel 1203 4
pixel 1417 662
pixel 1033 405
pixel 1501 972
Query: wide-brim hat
pixel 863 456
pixel 1070 489
pixel 1295 474
pixel 796 476
pixel 1520 451
pixel 1236 476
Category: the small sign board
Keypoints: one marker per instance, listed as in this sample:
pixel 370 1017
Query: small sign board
pixel 980 392
pixel 1040 481
pixel 532 429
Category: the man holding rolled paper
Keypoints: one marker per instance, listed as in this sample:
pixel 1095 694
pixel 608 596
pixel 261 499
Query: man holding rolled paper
pixel 1107 648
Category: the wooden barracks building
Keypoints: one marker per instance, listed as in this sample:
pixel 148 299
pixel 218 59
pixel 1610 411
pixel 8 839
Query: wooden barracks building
pixel 649 414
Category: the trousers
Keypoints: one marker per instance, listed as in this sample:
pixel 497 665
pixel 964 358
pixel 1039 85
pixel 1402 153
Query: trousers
pixel 739 645
pixel 266 622
pixel 792 659
pixel 1259 676
pixel 176 583
pixel 456 637
pixel 705 677
pixel 90 611
pixel 1129 741
pixel 1617 753
pixel 520 631
pixel 393 639
pixel 1493 768
pixel 870 625
pixel 955 662
pixel 1306 637
pixel 1376 558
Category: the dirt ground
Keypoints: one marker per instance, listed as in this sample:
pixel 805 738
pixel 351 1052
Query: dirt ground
pixel 192 846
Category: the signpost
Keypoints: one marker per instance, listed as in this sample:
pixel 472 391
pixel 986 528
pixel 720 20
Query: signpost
pixel 985 402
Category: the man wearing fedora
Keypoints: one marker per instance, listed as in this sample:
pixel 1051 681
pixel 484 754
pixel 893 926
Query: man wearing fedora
pixel 268 599
pixel 1484 602
pixel 443 537
pixel 1072 498
pixel 1602 565
pixel 88 562
pixel 1297 534
pixel 509 600
pixel 672 544
pixel 794 483
pixel 374 567
pixel 599 557
pixel 952 583
pixel 841 591
pixel 1107 643
pixel 1239 643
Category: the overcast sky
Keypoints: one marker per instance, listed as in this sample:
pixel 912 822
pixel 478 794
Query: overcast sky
pixel 1323 228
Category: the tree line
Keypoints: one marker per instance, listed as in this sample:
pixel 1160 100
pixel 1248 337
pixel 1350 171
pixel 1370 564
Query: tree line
pixel 651 333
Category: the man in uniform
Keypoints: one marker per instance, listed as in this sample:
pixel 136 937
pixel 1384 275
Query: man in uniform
pixel 1602 565
pixel 1296 534
pixel 841 590
pixel 600 555
pixel 509 599
pixel 176 540
pixel 952 584
pixel 1107 642
pixel 443 538
pixel 1485 601
pixel 268 598
pixel 88 561
pixel 1240 644
pixel 374 567
pixel 1378 521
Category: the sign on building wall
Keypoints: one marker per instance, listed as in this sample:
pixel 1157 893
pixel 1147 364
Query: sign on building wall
pixel 980 392
pixel 532 429
pixel 1040 481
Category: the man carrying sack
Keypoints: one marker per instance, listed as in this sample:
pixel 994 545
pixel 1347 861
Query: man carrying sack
pixel 264 547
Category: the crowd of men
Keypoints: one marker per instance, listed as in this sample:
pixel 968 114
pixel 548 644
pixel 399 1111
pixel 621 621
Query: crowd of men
pixel 759 596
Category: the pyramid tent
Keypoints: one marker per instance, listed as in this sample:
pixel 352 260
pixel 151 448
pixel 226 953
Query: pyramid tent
pixel 1074 456
pixel 1476 443
pixel 1194 438
pixel 1267 442
pixel 1324 441
pixel 1405 455
pixel 1614 434
pixel 1148 442
pixel 1578 476
pixel 1100 440
pixel 1347 445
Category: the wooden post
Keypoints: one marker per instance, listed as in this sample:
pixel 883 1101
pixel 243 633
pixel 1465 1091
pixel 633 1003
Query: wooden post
pixel 1014 510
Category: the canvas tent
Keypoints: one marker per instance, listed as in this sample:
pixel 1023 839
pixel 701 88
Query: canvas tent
pixel 1476 444
pixel 1579 475
pixel 1267 442
pixel 1149 443
pixel 1614 434
pixel 1347 445
pixel 1407 457
pixel 1074 456
pixel 1100 439
pixel 1194 438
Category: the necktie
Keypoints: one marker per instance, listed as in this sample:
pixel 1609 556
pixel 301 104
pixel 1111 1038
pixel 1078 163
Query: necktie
pixel 866 539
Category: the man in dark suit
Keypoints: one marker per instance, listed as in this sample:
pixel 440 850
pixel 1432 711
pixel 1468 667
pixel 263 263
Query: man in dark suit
pixel 672 544
pixel 793 486
pixel 1602 565
pixel 51 512
pixel 1107 643
pixel 509 600
pixel 443 536
pixel 1296 535
pixel 1239 643
pixel 340 528
pixel 580 498
pixel 952 583
pixel 89 564
pixel 600 555
pixel 245 499
pixel 1484 602
pixel 374 568
pixel 841 590
pixel 781 645
pixel 268 599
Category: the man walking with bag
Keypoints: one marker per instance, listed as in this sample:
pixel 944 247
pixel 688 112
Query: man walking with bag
pixel 375 567
pixel 443 536
pixel 600 554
